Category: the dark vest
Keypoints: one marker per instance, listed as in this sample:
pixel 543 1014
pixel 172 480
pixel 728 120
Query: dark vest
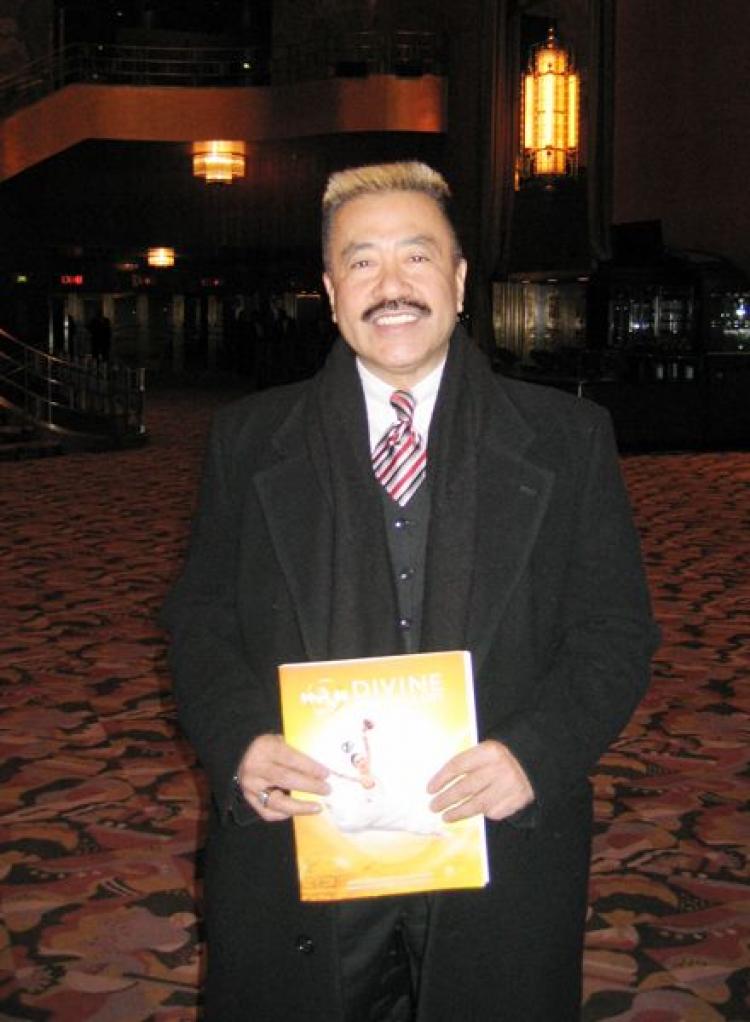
pixel 406 528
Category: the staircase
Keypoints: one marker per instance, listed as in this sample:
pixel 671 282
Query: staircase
pixel 21 439
pixel 50 404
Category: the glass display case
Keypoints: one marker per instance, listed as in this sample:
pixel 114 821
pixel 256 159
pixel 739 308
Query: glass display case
pixel 729 321
pixel 664 345
pixel 654 316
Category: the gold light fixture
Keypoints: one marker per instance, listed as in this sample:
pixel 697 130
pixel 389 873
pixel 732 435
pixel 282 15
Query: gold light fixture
pixel 550 111
pixel 160 257
pixel 219 162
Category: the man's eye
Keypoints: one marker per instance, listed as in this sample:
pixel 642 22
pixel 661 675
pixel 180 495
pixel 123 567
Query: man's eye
pixel 361 264
pixel 418 257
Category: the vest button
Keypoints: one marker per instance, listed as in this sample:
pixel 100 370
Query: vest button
pixel 401 523
pixel 304 944
pixel 404 623
pixel 405 574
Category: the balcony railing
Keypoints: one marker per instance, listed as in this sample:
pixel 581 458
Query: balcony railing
pixel 357 54
pixel 345 55
pixel 98 63
pixel 89 402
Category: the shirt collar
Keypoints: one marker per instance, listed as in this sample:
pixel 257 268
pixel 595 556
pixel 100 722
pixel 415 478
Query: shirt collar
pixel 380 414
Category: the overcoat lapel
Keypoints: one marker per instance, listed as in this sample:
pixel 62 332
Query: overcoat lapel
pixel 513 495
pixel 297 509
pixel 324 514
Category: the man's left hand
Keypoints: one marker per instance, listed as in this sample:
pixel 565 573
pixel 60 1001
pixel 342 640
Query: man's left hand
pixel 485 779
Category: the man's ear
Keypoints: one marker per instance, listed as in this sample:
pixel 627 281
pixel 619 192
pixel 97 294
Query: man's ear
pixel 331 292
pixel 461 266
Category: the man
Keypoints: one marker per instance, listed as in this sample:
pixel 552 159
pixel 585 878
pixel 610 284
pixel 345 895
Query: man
pixel 513 541
pixel 100 330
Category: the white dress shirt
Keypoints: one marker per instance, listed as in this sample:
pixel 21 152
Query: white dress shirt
pixel 381 414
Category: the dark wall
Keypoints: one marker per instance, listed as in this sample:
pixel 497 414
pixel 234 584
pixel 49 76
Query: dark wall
pixel 682 122
pixel 119 198
pixel 25 33
pixel 131 21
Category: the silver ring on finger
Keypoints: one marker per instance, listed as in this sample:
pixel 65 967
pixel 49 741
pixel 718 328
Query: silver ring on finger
pixel 264 796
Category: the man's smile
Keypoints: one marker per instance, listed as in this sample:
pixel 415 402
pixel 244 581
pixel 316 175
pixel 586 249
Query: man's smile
pixel 395 312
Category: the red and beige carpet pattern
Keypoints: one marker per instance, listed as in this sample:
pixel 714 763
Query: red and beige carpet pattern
pixel 103 807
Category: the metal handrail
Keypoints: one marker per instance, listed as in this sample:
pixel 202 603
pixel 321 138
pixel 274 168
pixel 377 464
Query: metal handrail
pixel 105 64
pixel 402 52
pixel 361 53
pixel 84 397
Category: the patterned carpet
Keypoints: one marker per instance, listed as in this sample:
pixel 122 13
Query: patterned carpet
pixel 102 807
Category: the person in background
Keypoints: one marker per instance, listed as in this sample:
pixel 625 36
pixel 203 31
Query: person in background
pixel 100 331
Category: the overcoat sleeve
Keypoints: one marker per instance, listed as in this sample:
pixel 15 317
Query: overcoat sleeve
pixel 221 707
pixel 598 665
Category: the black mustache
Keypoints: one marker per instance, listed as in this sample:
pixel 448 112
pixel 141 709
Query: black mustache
pixel 396 305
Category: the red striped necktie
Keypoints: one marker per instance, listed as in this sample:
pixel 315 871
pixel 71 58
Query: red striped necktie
pixel 400 459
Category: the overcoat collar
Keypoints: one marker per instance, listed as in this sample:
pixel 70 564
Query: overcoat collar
pixel 513 492
pixel 298 511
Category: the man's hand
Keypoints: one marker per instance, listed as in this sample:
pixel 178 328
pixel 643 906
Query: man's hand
pixel 485 779
pixel 270 765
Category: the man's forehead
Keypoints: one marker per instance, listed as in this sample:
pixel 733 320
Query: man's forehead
pixel 410 217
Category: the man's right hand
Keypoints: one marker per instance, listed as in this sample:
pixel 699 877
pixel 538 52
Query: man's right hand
pixel 273 767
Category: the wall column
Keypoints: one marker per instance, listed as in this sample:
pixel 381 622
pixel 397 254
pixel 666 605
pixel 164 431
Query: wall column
pixel 215 325
pixel 178 334
pixel 141 329
pixel 108 310
pixel 74 339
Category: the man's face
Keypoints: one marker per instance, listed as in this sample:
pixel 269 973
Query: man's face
pixel 394 283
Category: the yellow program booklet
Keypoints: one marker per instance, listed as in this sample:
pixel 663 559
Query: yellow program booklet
pixel 383 726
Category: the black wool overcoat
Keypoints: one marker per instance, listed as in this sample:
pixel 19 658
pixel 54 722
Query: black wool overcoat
pixel 560 630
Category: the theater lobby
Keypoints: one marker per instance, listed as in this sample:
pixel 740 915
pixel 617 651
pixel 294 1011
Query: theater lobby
pixel 613 265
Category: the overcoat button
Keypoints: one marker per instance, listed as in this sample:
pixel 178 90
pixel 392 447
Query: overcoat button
pixel 304 944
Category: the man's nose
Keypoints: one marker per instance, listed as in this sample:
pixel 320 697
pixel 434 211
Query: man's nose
pixel 392 281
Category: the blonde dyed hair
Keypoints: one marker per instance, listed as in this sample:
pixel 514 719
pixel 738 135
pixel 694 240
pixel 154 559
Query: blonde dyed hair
pixel 377 178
